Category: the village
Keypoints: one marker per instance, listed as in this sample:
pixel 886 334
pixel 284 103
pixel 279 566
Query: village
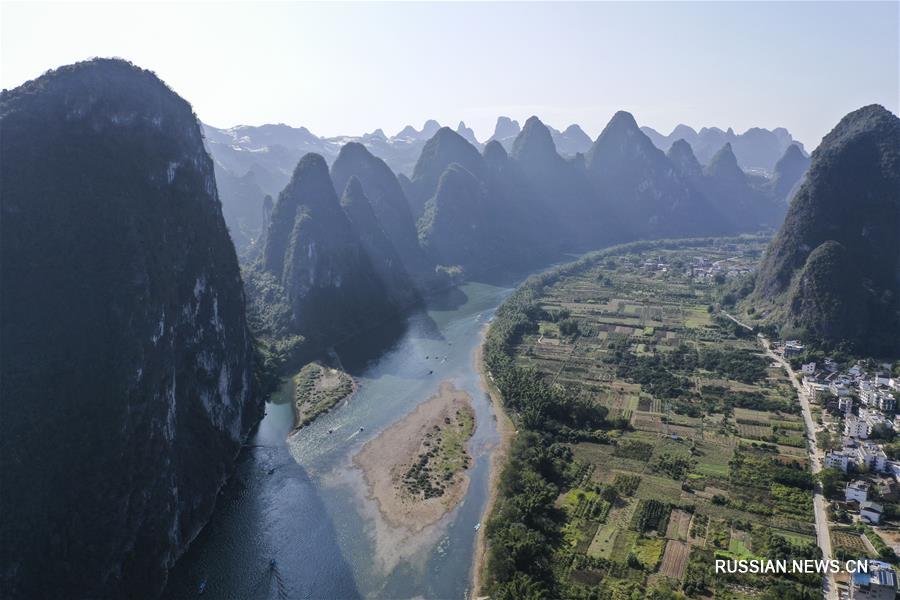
pixel 854 408
pixel 707 268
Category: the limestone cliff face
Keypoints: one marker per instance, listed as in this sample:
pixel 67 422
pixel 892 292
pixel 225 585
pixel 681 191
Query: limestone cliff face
pixel 838 250
pixel 388 201
pixel 445 148
pixel 127 382
pixel 316 257
pixel 378 248
pixel 637 182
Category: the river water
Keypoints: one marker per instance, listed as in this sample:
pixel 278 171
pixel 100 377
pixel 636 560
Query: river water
pixel 300 501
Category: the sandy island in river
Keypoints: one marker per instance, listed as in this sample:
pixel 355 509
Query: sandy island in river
pixel 416 469
pixel 318 389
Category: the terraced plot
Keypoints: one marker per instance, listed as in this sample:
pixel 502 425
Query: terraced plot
pixel 703 446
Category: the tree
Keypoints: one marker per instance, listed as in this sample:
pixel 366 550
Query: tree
pixel 520 587
pixel 568 327
pixel 832 481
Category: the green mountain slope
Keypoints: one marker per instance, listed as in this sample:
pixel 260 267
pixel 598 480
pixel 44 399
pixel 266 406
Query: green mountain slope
pixel 851 196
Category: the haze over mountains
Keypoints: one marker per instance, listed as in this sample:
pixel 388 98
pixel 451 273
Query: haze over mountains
pixel 756 149
pixel 135 379
pixel 359 244
pixel 252 162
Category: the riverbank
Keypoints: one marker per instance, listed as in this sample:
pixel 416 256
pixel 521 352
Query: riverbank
pixel 415 470
pixel 318 389
pixel 506 430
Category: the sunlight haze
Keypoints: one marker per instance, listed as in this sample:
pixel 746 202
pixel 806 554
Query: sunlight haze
pixel 336 68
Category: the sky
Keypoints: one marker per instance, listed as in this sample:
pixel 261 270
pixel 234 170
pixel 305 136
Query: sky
pixel 340 68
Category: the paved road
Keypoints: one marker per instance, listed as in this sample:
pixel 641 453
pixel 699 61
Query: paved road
pixel 823 533
pixel 741 323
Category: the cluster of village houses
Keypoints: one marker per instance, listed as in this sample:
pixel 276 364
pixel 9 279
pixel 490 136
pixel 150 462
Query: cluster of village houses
pixel 702 269
pixel 867 402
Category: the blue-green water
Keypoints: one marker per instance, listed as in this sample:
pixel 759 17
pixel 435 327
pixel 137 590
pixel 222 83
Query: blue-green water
pixel 311 513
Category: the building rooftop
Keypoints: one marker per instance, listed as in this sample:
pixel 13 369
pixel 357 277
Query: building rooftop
pixel 879 574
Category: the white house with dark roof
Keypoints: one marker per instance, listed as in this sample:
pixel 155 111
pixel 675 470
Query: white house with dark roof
pixel 872 457
pixel 856 427
pixel 837 460
pixel 857 491
pixel 870 512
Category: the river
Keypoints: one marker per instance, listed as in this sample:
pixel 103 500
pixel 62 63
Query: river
pixel 299 500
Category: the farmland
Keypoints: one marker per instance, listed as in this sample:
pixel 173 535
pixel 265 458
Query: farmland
pixel 691 440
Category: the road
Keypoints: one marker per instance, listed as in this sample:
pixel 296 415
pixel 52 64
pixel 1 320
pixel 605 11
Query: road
pixel 823 532
pixel 741 323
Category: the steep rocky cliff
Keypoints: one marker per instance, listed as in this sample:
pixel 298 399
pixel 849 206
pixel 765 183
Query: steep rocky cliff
pixel 378 248
pixel 316 259
pixel 838 250
pixel 443 149
pixel 638 185
pixel 127 382
pixel 389 203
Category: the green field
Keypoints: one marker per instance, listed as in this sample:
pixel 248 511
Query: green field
pixel 697 427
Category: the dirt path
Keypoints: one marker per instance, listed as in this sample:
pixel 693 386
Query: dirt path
pixel 741 323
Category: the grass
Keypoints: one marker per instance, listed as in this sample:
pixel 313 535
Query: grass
pixel 649 551
pixel 602 544
pixel 452 456
pixel 623 542
pixel 738 547
pixel 443 455
pixel 683 429
pixel 317 389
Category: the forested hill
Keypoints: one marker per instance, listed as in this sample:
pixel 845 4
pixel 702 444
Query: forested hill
pixel 832 273
pixel 127 380
pixel 252 162
pixel 476 214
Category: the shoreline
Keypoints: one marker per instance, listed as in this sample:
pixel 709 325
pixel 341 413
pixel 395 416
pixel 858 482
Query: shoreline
pixel 506 430
pixel 385 462
pixel 299 424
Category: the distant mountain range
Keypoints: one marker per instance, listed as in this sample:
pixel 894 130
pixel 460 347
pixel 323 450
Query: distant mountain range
pixel 359 244
pixel 756 149
pixel 254 161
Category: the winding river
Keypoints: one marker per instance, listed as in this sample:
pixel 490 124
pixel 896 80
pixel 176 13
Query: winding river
pixel 299 500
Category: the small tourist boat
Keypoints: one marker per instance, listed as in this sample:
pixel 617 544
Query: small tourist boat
pixel 201 588
pixel 477 526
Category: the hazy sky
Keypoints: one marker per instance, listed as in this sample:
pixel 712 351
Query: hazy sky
pixel 351 68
